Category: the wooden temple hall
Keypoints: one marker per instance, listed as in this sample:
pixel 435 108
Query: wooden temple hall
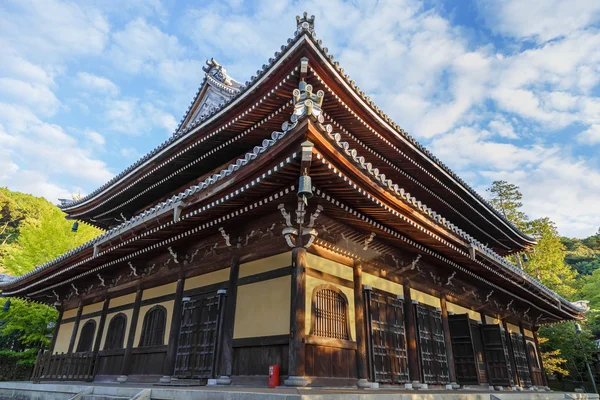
pixel 289 221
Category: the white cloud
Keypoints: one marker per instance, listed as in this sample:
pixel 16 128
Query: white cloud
pixel 133 117
pixel 95 137
pixel 590 136
pixel 39 151
pixel 39 97
pixel 96 83
pixel 539 20
pixel 50 30
pixel 503 128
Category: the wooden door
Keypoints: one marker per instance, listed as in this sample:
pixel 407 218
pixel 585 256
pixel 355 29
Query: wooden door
pixel 465 360
pixel 535 365
pixel 520 358
pixel 388 339
pixel 198 337
pixel 496 355
pixel 432 347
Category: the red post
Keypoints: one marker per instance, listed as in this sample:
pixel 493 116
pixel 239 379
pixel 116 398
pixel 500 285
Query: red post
pixel 273 376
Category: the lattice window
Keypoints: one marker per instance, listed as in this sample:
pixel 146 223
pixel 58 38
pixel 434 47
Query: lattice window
pixel 115 336
pixel 86 337
pixel 153 330
pixel 330 313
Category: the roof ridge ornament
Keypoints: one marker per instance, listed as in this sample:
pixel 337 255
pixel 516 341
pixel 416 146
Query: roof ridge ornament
pixel 305 23
pixel 217 72
pixel 307 103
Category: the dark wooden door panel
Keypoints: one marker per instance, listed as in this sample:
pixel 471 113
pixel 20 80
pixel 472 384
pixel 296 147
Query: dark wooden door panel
pixel 390 361
pixel 496 355
pixel 432 346
pixel 198 337
pixel 520 358
pixel 463 349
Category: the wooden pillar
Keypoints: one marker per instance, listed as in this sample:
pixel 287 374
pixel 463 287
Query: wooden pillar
pixel 539 356
pixel 367 294
pixel 225 363
pixel 296 367
pixel 526 352
pixel 448 341
pixel 75 328
pixel 511 354
pixel 361 344
pixel 169 367
pixel 126 366
pixel 56 328
pixel 414 369
pixel 99 333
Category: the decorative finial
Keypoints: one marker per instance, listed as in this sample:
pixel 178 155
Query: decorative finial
pixel 304 23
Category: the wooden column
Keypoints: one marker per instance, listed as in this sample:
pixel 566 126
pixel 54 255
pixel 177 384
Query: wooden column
pixel 361 344
pixel 75 328
pixel 169 367
pixel 526 353
pixel 296 368
pixel 126 366
pixel 414 369
pixel 367 295
pixel 56 328
pixel 511 354
pixel 539 356
pixel 448 341
pixel 100 332
pixel 225 363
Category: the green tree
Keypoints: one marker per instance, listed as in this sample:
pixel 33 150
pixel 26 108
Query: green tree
pixel 506 198
pixel 42 239
pixel 591 292
pixel 547 258
pixel 32 322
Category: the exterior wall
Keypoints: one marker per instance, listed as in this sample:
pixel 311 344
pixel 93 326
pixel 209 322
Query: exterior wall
pixel 425 298
pixel 92 308
pixel 456 309
pixel 266 264
pixel 144 309
pixel 263 308
pixel 382 284
pixel 65 331
pixel 72 313
pixel 122 301
pixel 328 266
pixel 513 328
pixel 128 313
pixel 159 291
pixel 492 320
pixel 211 278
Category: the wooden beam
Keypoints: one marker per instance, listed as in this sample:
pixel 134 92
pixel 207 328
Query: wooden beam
pixel 126 366
pixel 448 341
pixel 359 311
pixel 411 336
pixel 75 328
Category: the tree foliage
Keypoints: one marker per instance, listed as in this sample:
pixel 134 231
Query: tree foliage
pixel 552 360
pixel 506 198
pixel 32 322
pixel 42 236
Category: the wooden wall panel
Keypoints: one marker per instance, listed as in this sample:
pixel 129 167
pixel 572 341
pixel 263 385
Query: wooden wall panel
pixel 324 361
pixel 255 360
pixel 148 360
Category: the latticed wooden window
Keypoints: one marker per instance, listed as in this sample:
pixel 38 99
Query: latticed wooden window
pixel 153 330
pixel 115 336
pixel 86 337
pixel 330 313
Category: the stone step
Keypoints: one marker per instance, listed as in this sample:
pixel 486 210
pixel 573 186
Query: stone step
pixel 102 397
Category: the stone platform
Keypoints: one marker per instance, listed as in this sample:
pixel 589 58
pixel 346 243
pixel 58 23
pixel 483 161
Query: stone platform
pixel 101 391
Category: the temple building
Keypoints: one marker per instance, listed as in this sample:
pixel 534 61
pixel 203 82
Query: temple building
pixel 289 221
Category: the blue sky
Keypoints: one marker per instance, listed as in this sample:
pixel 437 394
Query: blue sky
pixel 496 89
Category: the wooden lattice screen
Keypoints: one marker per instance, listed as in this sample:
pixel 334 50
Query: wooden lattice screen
pixel 86 337
pixel 432 345
pixel 115 335
pixel 388 337
pixel 330 313
pixel 153 330
pixel 520 359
